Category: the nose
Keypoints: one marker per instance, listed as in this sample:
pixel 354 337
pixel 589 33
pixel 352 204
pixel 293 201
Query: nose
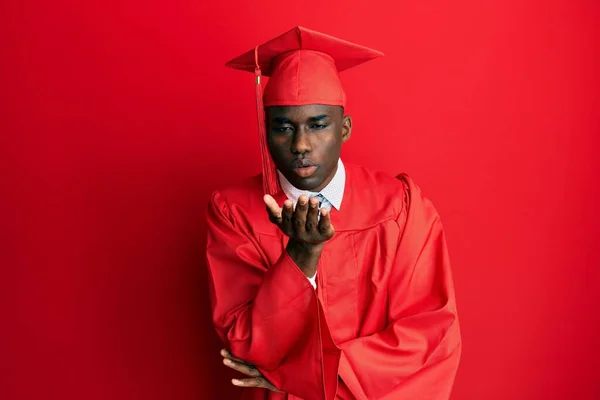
pixel 301 143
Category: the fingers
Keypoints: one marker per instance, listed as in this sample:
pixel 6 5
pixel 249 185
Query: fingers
pixel 312 217
pixel 256 380
pixel 325 227
pixel 227 354
pixel 273 209
pixel 302 223
pixel 243 368
pixel 259 382
pixel 286 215
pixel 299 218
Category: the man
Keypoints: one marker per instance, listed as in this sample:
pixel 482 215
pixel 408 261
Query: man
pixel 328 281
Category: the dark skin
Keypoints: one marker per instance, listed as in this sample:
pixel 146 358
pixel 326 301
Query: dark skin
pixel 310 135
pixel 311 132
pixel 305 144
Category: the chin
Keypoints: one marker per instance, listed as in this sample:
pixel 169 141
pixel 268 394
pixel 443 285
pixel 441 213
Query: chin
pixel 309 183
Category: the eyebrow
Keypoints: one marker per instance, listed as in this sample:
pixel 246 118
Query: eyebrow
pixel 318 118
pixel 283 120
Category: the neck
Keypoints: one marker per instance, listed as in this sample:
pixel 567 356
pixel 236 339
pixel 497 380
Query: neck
pixel 326 181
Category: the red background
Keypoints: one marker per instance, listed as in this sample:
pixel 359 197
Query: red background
pixel 118 119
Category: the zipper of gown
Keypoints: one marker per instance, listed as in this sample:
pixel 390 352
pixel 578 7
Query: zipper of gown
pixel 317 292
pixel 321 345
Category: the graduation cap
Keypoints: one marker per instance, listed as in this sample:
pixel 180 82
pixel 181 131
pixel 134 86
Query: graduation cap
pixel 302 66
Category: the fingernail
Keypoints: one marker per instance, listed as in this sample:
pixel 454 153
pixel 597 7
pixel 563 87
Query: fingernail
pixel 236 382
pixel 226 362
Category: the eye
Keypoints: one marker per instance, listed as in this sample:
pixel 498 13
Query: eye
pixel 318 126
pixel 283 129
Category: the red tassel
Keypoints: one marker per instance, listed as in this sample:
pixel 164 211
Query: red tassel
pixel 270 179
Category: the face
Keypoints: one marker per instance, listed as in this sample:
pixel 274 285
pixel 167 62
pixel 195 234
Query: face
pixel 305 142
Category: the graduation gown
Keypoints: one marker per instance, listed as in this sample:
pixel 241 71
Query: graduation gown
pixel 382 323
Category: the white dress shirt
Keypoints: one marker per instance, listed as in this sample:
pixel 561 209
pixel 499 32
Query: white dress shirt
pixel 332 195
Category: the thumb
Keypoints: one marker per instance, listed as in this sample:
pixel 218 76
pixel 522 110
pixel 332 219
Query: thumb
pixel 272 206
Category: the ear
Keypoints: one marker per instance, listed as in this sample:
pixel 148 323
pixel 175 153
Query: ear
pixel 346 128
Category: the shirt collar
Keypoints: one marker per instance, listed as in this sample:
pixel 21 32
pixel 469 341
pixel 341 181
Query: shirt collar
pixel 333 192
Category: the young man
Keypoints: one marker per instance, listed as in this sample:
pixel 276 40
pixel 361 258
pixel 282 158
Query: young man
pixel 328 280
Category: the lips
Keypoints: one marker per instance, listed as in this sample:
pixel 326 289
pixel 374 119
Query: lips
pixel 304 167
pixel 305 172
pixel 302 163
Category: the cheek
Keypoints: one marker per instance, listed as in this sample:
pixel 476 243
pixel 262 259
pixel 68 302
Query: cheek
pixel 279 151
pixel 276 143
pixel 330 144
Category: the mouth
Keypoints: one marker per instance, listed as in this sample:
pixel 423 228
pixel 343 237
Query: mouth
pixel 304 167
pixel 305 172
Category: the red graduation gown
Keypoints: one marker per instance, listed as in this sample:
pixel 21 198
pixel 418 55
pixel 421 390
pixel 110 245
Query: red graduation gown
pixel 382 323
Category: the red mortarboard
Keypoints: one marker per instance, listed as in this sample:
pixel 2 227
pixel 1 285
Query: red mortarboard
pixel 303 67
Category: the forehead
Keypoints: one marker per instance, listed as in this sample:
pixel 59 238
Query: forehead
pixel 302 112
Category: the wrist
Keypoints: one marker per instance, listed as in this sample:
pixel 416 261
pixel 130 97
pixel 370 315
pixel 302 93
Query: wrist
pixel 305 255
pixel 305 249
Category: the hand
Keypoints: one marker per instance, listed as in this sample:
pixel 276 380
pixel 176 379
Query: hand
pixel 257 380
pixel 302 224
pixel 306 231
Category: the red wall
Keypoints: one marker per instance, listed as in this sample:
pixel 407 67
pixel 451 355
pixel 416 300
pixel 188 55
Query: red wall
pixel 118 119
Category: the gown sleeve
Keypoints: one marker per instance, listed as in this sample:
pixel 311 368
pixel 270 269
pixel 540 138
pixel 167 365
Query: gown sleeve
pixel 267 315
pixel 416 356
